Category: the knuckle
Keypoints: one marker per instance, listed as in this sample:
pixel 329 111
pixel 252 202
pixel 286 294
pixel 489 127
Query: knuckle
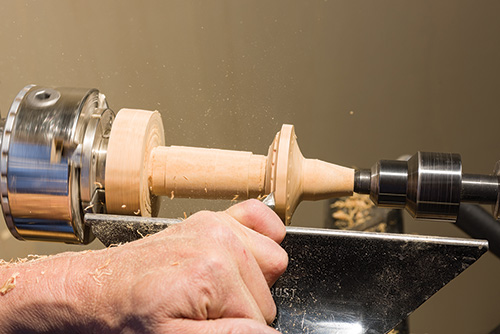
pixel 252 209
pixel 205 281
pixel 212 264
pixel 223 233
pixel 213 225
pixel 205 217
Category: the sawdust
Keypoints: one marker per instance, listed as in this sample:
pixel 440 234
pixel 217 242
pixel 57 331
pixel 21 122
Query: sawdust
pixel 30 258
pixel 142 235
pixel 4 263
pixel 100 272
pixel 357 213
pixel 261 197
pixel 352 211
pixel 9 285
pixel 34 257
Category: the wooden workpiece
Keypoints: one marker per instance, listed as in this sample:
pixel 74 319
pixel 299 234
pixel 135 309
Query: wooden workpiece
pixel 139 168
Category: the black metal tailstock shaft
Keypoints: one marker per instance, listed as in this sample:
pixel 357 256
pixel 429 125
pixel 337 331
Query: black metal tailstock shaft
pixel 480 224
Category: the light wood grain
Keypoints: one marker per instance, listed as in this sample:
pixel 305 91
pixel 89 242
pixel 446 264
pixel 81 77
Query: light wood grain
pixel 133 136
pixel 139 168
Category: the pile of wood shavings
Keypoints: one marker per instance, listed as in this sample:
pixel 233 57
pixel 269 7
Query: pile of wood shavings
pixel 359 213
pixel 352 211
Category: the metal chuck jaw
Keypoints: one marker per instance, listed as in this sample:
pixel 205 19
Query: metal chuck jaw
pixel 428 185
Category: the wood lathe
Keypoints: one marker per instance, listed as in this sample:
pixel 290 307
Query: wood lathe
pixel 64 154
pixel 68 164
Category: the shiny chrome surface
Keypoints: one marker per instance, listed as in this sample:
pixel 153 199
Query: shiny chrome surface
pixel 47 156
pixel 429 185
pixel 270 201
pixel 434 185
pixel 389 183
pixel 94 149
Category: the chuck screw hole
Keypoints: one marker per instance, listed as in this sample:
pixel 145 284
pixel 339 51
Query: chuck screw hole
pixel 42 95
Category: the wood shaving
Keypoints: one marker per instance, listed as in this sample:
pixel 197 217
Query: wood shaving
pixel 185 215
pixel 34 257
pixel 185 177
pixel 5 263
pixel 142 235
pixel 124 206
pixel 351 211
pixel 100 272
pixel 172 195
pixel 261 197
pixel 9 285
pixel 28 259
pixel 357 213
pixel 235 198
pixel 137 212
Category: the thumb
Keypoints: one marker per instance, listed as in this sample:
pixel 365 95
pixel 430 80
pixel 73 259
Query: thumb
pixel 217 326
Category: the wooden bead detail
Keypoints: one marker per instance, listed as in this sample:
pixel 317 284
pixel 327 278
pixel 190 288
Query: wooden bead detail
pixel 293 178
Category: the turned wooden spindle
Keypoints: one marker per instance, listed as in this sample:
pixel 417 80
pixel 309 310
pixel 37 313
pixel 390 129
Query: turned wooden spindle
pixel 139 168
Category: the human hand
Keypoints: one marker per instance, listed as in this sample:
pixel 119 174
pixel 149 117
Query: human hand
pixel 209 274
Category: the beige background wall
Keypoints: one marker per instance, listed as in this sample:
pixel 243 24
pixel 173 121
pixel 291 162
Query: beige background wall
pixel 422 75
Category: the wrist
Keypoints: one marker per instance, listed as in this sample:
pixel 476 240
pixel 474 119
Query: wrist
pixel 48 295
